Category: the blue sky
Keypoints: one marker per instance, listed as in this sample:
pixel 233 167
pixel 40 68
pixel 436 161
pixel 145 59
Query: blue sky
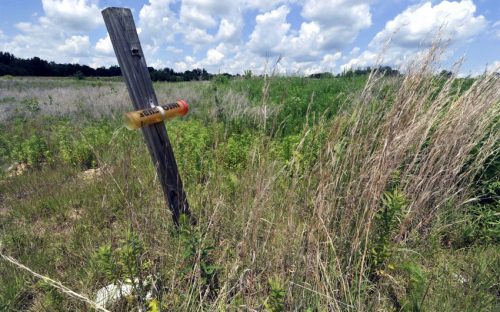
pixel 235 35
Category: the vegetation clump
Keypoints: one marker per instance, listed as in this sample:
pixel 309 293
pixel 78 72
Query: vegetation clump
pixel 361 192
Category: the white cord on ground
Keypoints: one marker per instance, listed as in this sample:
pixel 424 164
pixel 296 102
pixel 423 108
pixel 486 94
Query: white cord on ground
pixel 55 284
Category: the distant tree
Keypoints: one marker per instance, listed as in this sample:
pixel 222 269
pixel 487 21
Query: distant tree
pixel 114 71
pixel 321 75
pixel 384 70
pixel 445 73
pixel 39 67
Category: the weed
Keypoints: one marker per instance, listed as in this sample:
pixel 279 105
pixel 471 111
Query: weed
pixel 125 264
pixel 220 79
pixel 387 221
pixel 33 151
pixel 52 296
pixel 107 264
pixel 79 149
pixel 191 142
pixel 31 104
pixel 275 301
pixel 236 151
pixel 196 252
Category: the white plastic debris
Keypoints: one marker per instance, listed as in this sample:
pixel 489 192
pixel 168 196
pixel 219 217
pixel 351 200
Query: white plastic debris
pixel 111 293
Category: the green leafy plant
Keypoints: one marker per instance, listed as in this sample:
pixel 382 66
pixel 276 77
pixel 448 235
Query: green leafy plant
pixel 51 100
pixel 131 256
pixel 386 221
pixel 236 151
pixel 33 151
pixel 126 264
pixel 52 297
pixel 4 150
pixel 476 223
pixel 196 250
pixel 107 264
pixel 220 79
pixel 78 149
pixel 275 301
pixel 192 141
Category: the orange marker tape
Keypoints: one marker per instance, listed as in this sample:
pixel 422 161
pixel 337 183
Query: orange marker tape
pixel 149 116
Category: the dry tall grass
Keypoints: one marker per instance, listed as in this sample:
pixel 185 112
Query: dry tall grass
pixel 313 229
pixel 425 141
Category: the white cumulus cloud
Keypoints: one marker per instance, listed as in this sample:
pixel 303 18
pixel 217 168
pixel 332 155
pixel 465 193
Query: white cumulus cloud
pixel 340 21
pixel 61 34
pixel 75 45
pixel 73 14
pixel 157 22
pixel 227 30
pixel 214 57
pixel 417 27
pixel 203 17
pixel 235 35
pixel 270 30
pixel 265 5
pixel 104 46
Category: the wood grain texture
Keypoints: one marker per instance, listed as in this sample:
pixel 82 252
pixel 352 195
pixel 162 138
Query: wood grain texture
pixel 123 34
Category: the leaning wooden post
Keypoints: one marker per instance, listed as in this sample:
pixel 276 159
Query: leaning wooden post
pixel 123 34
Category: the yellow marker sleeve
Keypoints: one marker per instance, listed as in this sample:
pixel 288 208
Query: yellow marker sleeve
pixel 148 116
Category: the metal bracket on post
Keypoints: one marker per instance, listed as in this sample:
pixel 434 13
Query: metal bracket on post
pixel 127 47
pixel 135 51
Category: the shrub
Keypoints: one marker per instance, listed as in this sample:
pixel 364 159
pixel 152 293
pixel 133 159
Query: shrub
pixel 235 151
pixel 197 252
pixel 476 223
pixel 191 142
pixel 126 264
pixel 32 151
pixel 31 104
pixel 79 149
pixel 4 150
pixel 220 79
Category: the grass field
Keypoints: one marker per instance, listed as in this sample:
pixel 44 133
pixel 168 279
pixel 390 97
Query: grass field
pixel 336 194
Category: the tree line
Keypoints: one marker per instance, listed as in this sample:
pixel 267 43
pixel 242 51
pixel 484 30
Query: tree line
pixel 384 70
pixel 35 66
pixel 14 66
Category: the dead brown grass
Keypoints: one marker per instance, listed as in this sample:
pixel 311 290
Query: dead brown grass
pixel 424 141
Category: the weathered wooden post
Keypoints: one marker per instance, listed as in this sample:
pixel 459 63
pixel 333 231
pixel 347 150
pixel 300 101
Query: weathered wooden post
pixel 123 34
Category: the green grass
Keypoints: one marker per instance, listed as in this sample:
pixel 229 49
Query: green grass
pixel 276 195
